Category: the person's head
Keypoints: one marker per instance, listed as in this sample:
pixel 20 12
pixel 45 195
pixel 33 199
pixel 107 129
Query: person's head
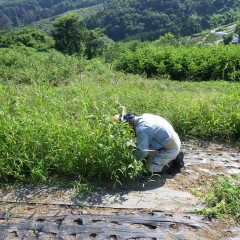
pixel 129 118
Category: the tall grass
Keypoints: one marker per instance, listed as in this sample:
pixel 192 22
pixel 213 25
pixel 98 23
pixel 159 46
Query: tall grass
pixel 69 131
pixel 46 131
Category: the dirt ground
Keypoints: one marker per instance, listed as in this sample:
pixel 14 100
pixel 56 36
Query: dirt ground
pixel 169 195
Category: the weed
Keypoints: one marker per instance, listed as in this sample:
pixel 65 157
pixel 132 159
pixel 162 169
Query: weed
pixel 223 199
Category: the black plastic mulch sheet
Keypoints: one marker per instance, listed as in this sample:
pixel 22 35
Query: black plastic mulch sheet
pixel 154 225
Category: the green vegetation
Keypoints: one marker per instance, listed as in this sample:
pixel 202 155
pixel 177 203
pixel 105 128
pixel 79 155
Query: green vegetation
pixel 25 65
pixel 68 130
pixel 125 19
pixel 46 24
pixel 57 132
pixel 182 63
pixel 72 37
pixel 59 94
pixel 15 13
pixel 223 198
pixel 28 37
pixel 69 36
pixel 149 19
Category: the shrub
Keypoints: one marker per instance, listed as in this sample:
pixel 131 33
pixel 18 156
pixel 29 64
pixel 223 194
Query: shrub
pixel 183 63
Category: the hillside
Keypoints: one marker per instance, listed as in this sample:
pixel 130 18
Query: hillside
pixel 149 19
pixel 47 24
pixel 125 19
pixel 16 13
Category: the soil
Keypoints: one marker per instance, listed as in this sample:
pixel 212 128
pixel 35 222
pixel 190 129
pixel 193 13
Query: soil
pixel 170 195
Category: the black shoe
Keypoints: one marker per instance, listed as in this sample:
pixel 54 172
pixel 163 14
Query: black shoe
pixel 178 163
pixel 166 167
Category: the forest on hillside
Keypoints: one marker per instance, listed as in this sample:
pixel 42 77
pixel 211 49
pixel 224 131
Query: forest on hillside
pixel 15 13
pixel 128 19
pixel 149 19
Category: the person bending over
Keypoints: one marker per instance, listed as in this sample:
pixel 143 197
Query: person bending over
pixel 156 142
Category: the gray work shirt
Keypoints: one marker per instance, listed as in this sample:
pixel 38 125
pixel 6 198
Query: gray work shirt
pixel 152 132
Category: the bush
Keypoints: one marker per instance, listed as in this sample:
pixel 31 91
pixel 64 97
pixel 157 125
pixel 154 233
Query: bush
pixel 183 63
pixel 28 37
pixel 28 66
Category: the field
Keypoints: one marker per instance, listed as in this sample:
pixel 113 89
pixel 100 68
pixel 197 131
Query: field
pixel 69 130
pixel 57 128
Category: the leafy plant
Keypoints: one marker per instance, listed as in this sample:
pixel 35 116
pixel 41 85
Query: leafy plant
pixel 46 135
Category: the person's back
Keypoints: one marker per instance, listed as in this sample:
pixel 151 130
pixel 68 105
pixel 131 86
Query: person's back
pixel 155 133
pixel 157 142
pixel 152 131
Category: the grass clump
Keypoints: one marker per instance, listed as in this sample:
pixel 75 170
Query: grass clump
pixel 223 198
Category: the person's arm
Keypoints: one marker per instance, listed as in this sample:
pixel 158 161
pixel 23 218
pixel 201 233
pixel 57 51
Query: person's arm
pixel 142 145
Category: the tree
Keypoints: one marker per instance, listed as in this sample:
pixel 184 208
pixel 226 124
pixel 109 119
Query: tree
pixel 192 25
pixel 72 37
pixel 97 43
pixel 69 34
pixel 227 39
pixel 167 39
